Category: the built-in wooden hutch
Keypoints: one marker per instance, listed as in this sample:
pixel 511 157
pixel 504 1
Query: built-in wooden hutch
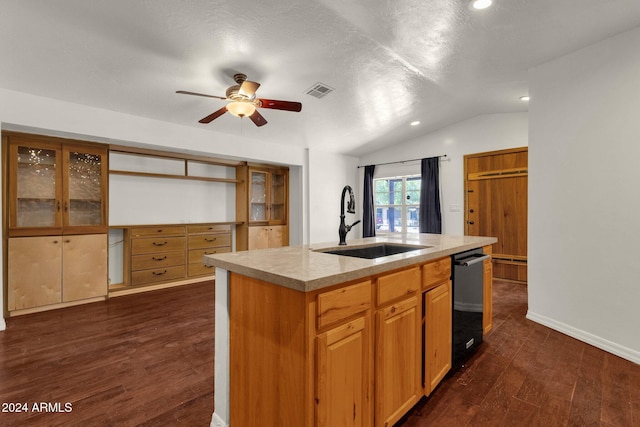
pixel 59 240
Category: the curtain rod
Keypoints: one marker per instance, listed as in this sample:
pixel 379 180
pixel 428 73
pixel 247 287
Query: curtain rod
pixel 402 161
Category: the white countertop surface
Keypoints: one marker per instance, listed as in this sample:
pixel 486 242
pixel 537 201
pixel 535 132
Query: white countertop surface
pixel 304 269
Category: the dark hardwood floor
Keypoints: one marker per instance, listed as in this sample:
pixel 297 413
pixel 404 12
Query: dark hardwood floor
pixel 144 359
pixel 147 360
pixel 528 375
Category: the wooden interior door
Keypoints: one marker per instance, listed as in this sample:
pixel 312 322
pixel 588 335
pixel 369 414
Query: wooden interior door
pixel 496 205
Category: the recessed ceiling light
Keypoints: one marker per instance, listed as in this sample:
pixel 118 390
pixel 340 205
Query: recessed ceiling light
pixel 415 123
pixel 481 4
pixel 525 98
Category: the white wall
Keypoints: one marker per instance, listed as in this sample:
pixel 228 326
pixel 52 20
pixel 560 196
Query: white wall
pixel 482 133
pixel 328 174
pixel 584 194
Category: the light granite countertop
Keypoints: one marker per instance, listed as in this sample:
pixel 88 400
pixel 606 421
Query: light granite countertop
pixel 304 269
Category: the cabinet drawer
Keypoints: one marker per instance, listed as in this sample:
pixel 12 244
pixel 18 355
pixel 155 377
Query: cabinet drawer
pixel 339 304
pixel 436 272
pixel 396 285
pixel 195 255
pixel 156 260
pixel 171 230
pixel 158 244
pixel 158 275
pixel 202 241
pixel 199 269
pixel 208 228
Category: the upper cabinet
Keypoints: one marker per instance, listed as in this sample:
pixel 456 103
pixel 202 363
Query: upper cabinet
pixel 262 206
pixel 268 196
pixel 56 187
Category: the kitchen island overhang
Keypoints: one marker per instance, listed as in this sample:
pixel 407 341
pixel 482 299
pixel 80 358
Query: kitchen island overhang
pixel 307 269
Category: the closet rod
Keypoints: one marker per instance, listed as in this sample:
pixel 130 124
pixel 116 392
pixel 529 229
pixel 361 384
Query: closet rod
pixel 402 161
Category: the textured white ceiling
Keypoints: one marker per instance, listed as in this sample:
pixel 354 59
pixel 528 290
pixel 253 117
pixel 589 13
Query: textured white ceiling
pixel 390 62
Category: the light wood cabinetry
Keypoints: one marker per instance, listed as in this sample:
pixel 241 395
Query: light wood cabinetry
pixel 398 345
pixel 262 202
pixel 437 336
pixel 56 221
pixel 156 254
pixel 49 270
pixel 205 239
pixel 354 354
pixel 437 321
pixel 56 186
pixel 343 371
pixel 487 291
pixel 272 236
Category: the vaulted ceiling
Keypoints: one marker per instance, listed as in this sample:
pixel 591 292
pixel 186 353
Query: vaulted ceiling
pixel 388 62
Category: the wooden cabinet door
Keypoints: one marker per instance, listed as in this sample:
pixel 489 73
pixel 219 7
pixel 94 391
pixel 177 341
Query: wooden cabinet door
pixel 34 272
pixel 437 351
pixel 278 236
pixel 258 196
pixel 398 360
pixel 278 197
pixel 85 182
pixel 343 384
pixel 84 267
pixel 35 192
pixel 258 237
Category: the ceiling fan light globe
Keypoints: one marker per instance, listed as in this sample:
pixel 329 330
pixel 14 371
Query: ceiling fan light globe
pixel 241 108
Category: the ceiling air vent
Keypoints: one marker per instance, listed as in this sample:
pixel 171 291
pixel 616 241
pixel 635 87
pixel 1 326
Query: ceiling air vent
pixel 319 90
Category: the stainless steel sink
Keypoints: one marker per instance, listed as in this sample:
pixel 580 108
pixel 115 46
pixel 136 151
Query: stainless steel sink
pixel 378 250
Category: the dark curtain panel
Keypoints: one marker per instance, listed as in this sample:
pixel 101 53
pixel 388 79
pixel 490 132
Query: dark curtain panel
pixel 430 215
pixel 369 210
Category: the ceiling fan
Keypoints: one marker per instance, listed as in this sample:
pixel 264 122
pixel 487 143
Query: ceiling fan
pixel 243 102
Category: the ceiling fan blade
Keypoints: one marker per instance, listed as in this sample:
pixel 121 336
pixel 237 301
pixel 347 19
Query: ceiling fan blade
pixel 184 92
pixel 280 105
pixel 211 117
pixel 248 88
pixel 258 119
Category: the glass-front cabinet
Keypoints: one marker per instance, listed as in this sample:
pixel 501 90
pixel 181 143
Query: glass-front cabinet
pixel 268 196
pixel 56 188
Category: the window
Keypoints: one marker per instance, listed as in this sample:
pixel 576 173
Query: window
pixel 397 203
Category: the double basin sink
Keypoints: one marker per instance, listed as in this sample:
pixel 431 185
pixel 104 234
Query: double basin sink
pixel 377 250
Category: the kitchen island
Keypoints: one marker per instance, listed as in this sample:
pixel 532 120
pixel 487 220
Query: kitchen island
pixel 309 338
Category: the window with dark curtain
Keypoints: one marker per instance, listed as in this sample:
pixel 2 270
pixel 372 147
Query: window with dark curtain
pixel 430 215
pixel 368 209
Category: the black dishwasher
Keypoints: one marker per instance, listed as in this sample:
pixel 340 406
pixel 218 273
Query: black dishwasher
pixel 467 281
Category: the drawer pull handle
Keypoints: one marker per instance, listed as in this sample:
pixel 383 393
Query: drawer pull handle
pixel 155 273
pixel 159 231
pixel 210 240
pixel 159 259
pixel 209 266
pixel 210 253
pixel 159 243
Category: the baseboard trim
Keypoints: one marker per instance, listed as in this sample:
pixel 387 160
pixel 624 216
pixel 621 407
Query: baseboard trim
pixel 216 421
pixel 3 325
pixel 596 341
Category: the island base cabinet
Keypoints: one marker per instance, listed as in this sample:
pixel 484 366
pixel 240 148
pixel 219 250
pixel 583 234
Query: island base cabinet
pixel 398 370
pixel 437 337
pixel 343 379
pixel 267 355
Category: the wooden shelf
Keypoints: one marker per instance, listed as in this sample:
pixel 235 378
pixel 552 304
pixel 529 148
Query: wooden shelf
pixel 162 175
